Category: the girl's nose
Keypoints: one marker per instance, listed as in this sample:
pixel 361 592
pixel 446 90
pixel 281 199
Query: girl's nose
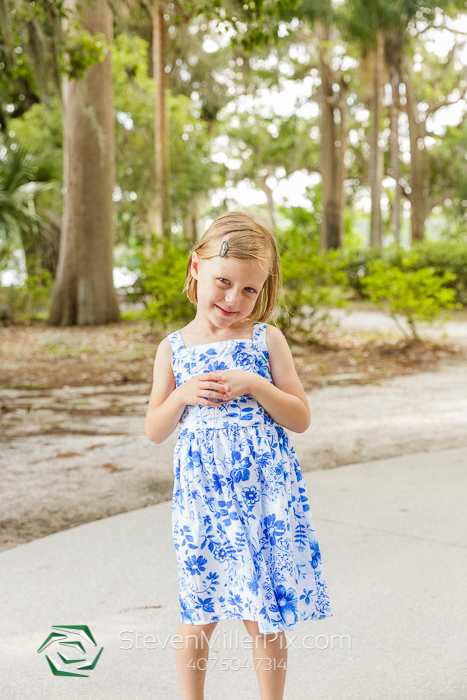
pixel 231 299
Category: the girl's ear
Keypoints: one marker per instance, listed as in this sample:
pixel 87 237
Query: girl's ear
pixel 194 265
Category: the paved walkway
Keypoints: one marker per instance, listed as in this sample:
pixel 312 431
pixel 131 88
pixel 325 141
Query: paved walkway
pixel 393 536
pixel 365 320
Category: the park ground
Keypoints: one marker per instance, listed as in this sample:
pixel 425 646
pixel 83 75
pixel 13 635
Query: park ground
pixel 72 405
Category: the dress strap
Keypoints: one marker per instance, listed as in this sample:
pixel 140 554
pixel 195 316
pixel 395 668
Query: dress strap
pixel 176 342
pixel 259 336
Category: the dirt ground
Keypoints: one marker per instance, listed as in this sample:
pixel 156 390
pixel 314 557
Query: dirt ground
pixel 40 357
pixel 72 403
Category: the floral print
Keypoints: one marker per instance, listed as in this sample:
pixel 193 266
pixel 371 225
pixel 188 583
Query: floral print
pixel 244 538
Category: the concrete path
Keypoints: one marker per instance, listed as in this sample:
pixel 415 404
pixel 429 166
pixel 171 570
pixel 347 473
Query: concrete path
pixel 393 537
pixel 365 320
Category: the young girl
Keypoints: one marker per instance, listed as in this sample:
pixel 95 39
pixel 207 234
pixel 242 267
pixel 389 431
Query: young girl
pixel 245 543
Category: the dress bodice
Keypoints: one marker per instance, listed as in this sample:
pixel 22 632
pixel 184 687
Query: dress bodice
pixel 247 355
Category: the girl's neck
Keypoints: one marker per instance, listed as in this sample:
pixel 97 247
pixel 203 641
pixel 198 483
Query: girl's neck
pixel 198 332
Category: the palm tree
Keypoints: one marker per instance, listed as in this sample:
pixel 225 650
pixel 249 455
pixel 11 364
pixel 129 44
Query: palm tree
pixel 23 174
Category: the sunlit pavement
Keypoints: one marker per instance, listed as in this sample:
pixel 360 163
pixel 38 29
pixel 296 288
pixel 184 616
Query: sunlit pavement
pixel 393 537
pixel 364 320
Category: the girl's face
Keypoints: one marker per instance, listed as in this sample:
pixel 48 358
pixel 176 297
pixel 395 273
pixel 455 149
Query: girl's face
pixel 227 288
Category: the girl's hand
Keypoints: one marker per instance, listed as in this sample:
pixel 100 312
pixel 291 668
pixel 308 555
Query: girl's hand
pixel 204 389
pixel 238 381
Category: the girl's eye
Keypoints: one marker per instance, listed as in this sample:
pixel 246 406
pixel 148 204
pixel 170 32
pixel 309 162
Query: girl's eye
pixel 224 281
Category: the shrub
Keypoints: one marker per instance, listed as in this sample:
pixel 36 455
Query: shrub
pixel 441 256
pixel 354 264
pixel 445 256
pixel 159 286
pixel 312 283
pixel 28 301
pixel 418 295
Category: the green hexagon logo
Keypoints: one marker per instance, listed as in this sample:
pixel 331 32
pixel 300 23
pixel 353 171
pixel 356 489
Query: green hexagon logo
pixel 72 651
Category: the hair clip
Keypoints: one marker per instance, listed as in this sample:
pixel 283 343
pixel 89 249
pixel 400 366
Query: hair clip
pixel 224 248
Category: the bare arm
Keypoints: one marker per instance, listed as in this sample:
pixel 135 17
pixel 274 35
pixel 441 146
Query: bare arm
pixel 285 400
pixel 165 406
pixel 167 401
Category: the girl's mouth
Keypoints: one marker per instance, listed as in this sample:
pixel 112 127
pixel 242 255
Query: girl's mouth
pixel 224 312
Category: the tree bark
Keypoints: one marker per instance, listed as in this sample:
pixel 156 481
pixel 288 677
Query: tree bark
pixel 376 157
pixel 190 223
pixel 395 164
pixel 332 149
pixel 419 163
pixel 163 208
pixel 341 151
pixel 84 292
pixel 393 52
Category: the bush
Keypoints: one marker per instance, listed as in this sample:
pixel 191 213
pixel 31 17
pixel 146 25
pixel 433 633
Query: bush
pixel 28 301
pixel 445 256
pixel 312 284
pixel 354 264
pixel 418 295
pixel 441 256
pixel 159 286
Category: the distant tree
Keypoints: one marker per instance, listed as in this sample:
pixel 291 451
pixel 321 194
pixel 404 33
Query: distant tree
pixel 392 26
pixel 437 84
pixel 84 292
pixel 163 200
pixel 264 147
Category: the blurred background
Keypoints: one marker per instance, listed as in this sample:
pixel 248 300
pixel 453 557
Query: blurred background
pixel 126 128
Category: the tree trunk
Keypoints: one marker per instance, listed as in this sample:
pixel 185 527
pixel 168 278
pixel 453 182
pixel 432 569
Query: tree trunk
pixel 393 52
pixel 376 157
pixel 163 209
pixel 341 149
pixel 271 206
pixel 194 221
pixel 419 164
pixel 190 223
pixel 84 292
pixel 331 151
pixel 395 165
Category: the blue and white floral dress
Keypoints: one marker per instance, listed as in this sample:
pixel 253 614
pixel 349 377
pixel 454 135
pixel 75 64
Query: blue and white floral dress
pixel 244 538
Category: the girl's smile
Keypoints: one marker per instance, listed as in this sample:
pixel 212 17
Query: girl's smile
pixel 224 312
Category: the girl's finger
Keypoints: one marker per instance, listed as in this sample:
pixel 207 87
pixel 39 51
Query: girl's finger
pixel 207 402
pixel 212 377
pixel 213 393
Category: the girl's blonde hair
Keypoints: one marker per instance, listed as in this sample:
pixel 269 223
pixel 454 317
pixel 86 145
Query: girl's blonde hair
pixel 251 239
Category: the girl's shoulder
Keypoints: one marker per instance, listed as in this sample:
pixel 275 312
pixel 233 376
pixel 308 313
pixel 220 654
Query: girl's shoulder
pixel 272 333
pixel 271 330
pixel 276 343
pixel 266 337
